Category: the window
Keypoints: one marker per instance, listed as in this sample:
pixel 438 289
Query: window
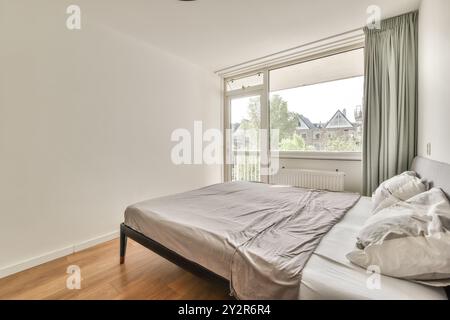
pixel 313 109
pixel 245 120
pixel 243 83
pixel 317 105
pixel 243 114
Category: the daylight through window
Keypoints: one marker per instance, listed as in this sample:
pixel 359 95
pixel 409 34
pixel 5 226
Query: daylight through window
pixel 317 105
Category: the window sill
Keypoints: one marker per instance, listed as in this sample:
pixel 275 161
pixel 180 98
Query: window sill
pixel 337 156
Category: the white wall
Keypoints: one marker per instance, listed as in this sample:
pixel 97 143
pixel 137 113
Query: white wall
pixel 434 79
pixel 85 124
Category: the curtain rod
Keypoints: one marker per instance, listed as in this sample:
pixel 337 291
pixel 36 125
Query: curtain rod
pixel 221 71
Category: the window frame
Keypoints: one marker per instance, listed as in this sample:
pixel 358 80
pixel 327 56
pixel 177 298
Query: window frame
pixel 264 90
pixel 260 90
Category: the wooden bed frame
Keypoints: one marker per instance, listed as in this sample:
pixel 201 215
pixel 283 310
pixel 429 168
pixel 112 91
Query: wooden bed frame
pixel 127 232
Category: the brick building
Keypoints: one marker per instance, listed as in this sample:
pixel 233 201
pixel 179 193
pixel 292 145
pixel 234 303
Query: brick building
pixel 317 136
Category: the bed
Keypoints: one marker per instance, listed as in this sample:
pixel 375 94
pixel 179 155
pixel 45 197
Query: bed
pixel 193 230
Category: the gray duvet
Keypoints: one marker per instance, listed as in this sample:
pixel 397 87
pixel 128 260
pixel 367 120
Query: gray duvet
pixel 262 236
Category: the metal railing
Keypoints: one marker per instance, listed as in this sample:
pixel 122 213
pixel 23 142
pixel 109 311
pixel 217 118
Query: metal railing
pixel 246 166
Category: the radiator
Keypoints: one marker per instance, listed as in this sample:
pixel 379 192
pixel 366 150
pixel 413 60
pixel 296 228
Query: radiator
pixel 311 179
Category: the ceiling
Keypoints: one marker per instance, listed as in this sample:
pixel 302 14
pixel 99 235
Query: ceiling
pixel 220 33
pixel 336 67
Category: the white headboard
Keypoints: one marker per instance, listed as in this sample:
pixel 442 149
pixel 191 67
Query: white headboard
pixel 435 173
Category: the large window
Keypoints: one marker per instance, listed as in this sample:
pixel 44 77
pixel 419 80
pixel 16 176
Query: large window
pixel 312 108
pixel 317 105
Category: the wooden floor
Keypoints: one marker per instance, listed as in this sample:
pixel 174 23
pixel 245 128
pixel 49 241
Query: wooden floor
pixel 144 275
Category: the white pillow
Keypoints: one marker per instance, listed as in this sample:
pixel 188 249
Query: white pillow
pixel 398 188
pixel 409 240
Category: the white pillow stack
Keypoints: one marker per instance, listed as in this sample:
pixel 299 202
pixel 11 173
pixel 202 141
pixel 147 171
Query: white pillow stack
pixel 396 189
pixel 407 238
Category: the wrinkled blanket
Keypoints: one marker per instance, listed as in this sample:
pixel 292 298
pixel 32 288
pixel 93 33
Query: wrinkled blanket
pixel 257 236
pixel 271 255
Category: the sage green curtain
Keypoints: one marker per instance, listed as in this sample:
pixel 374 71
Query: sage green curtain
pixel 390 100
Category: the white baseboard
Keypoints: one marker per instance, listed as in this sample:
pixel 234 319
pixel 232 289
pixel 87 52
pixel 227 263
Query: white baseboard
pixel 53 255
pixel 95 241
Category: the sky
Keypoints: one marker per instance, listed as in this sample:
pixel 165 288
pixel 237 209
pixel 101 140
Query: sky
pixel 320 102
pixel 317 102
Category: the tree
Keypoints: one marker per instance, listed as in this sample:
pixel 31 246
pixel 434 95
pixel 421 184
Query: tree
pixel 294 143
pixel 345 144
pixel 254 114
pixel 281 119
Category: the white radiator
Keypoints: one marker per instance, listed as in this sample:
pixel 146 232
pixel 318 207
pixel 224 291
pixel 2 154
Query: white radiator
pixel 311 179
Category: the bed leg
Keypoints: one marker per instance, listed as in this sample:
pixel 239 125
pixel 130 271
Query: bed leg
pixel 123 244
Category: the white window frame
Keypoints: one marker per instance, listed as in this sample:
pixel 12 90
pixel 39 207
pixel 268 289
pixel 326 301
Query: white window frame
pixel 264 91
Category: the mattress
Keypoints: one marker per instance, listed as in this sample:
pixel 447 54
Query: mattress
pixel 196 225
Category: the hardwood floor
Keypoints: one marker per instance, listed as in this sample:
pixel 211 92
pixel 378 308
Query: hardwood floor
pixel 144 275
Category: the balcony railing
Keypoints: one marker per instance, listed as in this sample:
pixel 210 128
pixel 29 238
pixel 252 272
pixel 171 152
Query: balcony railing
pixel 246 166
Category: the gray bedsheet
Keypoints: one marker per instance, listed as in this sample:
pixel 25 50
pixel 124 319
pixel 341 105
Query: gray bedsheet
pixel 258 236
pixel 269 260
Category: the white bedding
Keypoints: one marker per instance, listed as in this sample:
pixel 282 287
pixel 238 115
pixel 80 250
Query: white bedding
pixel 329 275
